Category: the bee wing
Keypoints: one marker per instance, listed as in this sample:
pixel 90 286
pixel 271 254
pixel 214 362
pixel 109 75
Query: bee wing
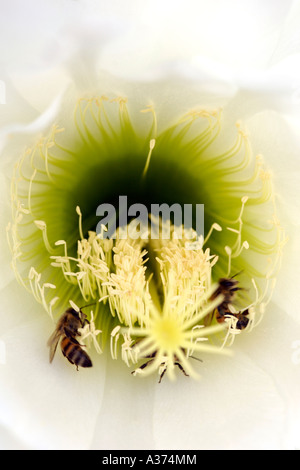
pixel 52 343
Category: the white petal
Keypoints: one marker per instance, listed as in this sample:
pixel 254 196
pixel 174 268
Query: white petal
pixel 125 420
pixel 9 441
pixel 272 136
pixel 45 406
pixel 233 33
pixel 249 401
pixel 289 39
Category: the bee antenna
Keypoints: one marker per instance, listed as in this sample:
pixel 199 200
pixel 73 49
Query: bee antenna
pixel 196 358
pixel 236 274
pixel 88 305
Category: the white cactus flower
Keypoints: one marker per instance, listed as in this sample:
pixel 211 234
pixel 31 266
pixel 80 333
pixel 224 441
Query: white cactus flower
pixel 176 103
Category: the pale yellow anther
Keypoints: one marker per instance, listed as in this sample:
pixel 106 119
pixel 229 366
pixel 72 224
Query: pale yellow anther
pixel 74 306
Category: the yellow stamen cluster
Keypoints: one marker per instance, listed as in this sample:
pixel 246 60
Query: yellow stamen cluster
pixel 162 312
pixel 127 287
pixel 171 335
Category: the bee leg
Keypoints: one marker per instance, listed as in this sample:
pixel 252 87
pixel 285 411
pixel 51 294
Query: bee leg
pixel 69 359
pixel 220 315
pixel 234 289
pixel 181 368
pixel 74 341
pixel 143 366
pixel 146 364
pixel 162 374
pixel 208 318
pixel 85 322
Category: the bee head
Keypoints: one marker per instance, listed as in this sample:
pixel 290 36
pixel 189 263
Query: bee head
pixel 83 316
pixel 227 283
pixel 73 312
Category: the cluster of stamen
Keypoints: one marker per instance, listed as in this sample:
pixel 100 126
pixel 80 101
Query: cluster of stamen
pixel 159 293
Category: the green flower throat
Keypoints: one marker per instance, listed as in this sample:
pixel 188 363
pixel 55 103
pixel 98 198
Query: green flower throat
pixel 154 303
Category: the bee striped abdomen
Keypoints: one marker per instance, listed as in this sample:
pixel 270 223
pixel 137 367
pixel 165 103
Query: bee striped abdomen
pixel 72 350
pixel 66 331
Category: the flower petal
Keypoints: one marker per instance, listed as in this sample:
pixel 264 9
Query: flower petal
pixel 125 420
pixel 248 401
pixel 42 404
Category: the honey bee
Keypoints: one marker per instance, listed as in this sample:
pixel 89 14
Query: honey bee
pixel 66 330
pixel 228 287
